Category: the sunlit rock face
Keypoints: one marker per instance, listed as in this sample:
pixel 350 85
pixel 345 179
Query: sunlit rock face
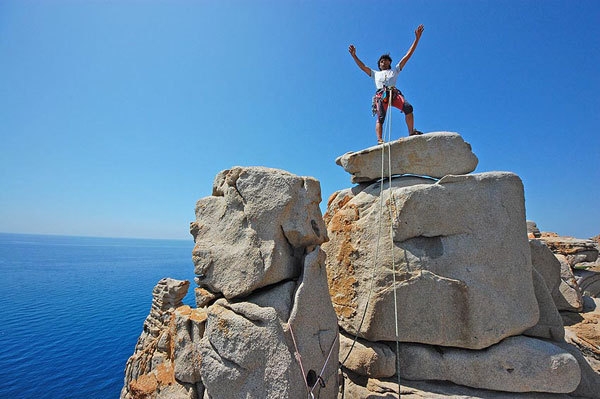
pixel 434 154
pixel 264 326
pixel 253 230
pixel 459 250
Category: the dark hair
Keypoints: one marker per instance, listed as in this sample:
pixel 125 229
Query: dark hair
pixel 384 57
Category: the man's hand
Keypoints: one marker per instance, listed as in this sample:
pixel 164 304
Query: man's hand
pixel 411 50
pixel 419 31
pixel 352 50
pixel 361 65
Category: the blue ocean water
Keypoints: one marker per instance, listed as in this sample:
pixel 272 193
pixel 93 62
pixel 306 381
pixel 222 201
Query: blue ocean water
pixel 72 308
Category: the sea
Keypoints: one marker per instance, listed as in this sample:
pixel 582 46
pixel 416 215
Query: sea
pixel 72 308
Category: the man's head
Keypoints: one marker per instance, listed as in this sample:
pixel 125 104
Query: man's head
pixel 385 62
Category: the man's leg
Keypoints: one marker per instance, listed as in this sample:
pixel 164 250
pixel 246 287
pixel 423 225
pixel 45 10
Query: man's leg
pixel 403 105
pixel 410 123
pixel 381 111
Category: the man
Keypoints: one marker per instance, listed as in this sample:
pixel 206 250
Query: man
pixel 385 82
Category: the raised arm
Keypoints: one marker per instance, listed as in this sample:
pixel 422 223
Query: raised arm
pixel 360 64
pixel 411 50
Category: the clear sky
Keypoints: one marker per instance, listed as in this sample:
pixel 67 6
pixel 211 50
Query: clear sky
pixel 115 116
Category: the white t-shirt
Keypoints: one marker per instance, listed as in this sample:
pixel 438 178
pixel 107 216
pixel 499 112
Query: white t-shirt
pixel 387 77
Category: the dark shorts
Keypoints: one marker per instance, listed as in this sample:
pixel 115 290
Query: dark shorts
pixel 381 101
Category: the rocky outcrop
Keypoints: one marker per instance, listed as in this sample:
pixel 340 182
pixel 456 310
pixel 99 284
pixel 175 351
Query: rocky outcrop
pixel 579 267
pixel 249 348
pixel 546 264
pixel 575 250
pixel 443 274
pixel 447 238
pixel 532 230
pixel 435 154
pixel 264 326
pixel 517 364
pixel 166 361
pixel 574 288
pixel 588 282
pixel 550 324
pixel 254 229
pixel 435 287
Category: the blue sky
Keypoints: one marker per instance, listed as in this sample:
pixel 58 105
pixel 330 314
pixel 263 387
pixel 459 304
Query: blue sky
pixel 115 116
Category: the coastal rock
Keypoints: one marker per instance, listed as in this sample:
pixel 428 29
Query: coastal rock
pixel 449 260
pixel 434 154
pixel 187 329
pixel 253 230
pixel 452 250
pixel 166 357
pixel 249 347
pixel 517 364
pixel 265 326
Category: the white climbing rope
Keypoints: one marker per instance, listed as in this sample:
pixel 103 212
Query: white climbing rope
pixel 392 211
pixel 387 136
pixel 299 359
pixel 392 214
pixel 319 381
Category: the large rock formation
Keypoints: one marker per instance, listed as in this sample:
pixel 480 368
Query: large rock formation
pixel 436 288
pixel 166 361
pixel 575 250
pixel 254 229
pixel 249 347
pixel 448 238
pixel 443 268
pixel 264 326
pixel 435 155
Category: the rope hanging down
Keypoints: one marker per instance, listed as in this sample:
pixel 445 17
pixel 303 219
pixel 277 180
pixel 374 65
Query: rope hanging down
pixel 392 210
pixel 311 378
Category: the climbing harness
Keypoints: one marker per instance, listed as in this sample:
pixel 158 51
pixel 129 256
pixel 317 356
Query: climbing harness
pixel 311 378
pixel 392 209
pixel 384 98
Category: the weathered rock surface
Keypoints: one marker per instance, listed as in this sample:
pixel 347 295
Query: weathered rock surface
pixel 252 231
pixel 588 282
pixel 590 377
pixel 544 261
pixel 550 324
pixel 532 230
pixel 166 360
pixel 546 281
pixel 471 292
pixel 266 327
pixel 371 359
pixel 433 154
pixel 453 249
pixel 517 364
pixel 248 349
pixel 569 297
pixel 359 387
pixel 575 250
